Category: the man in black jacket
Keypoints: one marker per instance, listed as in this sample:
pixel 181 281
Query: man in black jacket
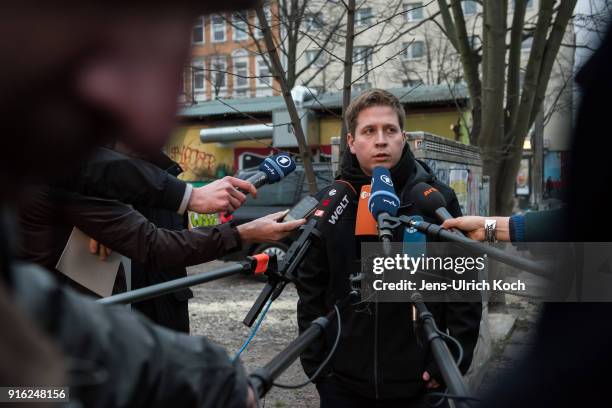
pixel 378 361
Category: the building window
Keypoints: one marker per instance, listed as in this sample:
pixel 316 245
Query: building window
pixel 264 79
pixel 314 22
pixel 197 33
pixel 363 17
pixel 362 55
pixel 241 93
pixel 218 28
pixel 470 7
pixel 414 50
pixel 240 60
pixel 240 26
pixel 364 86
pixel 412 82
pixel 198 78
pixel 526 44
pixel 218 74
pixel 316 58
pixel 414 11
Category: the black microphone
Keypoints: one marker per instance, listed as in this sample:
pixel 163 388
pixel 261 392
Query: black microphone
pixel 335 199
pixel 431 201
pixel 332 204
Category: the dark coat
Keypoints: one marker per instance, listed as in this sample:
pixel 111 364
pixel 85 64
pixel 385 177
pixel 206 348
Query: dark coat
pixel 118 358
pixel 170 310
pixel 323 279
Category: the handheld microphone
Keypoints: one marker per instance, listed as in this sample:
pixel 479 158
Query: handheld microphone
pixel 334 201
pixel 431 201
pixel 272 170
pixel 383 201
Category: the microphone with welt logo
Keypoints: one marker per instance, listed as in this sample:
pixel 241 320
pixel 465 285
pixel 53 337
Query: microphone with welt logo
pixel 332 204
pixel 432 202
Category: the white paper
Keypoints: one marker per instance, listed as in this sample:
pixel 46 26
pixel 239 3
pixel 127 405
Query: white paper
pixel 86 268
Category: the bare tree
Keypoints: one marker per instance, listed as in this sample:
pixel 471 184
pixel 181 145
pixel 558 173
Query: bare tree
pixel 279 74
pixel 503 111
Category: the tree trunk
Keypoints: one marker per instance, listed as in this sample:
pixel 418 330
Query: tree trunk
pixel 348 71
pixel 278 73
pixel 510 162
pixel 493 75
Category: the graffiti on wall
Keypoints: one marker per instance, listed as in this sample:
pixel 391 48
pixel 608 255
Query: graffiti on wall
pixel 200 161
pixel 191 159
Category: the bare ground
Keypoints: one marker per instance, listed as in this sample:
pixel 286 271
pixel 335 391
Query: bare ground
pixel 219 307
pixel 217 311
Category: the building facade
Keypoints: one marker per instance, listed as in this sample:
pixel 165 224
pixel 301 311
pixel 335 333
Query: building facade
pixel 226 61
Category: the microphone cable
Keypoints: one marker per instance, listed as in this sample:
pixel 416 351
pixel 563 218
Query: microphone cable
pixel 254 330
pixel 323 364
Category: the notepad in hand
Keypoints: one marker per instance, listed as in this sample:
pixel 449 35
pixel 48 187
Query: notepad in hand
pixel 86 268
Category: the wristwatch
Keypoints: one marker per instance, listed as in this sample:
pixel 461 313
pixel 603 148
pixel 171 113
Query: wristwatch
pixel 489 229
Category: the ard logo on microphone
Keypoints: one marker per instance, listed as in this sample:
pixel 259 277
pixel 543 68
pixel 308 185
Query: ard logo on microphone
pixel 429 191
pixel 387 180
pixel 283 161
pixel 339 210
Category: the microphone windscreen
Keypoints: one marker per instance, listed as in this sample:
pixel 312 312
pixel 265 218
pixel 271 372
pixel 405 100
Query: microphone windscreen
pixel 365 224
pixel 277 167
pixel 383 198
pixel 427 198
pixel 335 199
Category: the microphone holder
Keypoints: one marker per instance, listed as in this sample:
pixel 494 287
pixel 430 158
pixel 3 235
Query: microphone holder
pixel 441 354
pixel 278 278
pixel 262 379
pixel 436 231
pixel 173 285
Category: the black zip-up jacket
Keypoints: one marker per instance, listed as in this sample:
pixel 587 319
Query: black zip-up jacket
pixel 324 278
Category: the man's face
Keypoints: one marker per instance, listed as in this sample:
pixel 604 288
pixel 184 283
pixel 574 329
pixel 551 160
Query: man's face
pixel 378 138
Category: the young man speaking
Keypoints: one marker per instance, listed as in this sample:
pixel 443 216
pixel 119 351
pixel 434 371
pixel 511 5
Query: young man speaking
pixel 378 362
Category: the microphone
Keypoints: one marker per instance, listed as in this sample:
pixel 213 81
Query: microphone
pixel 365 224
pixel 431 201
pixel 272 170
pixel 334 200
pixel 383 201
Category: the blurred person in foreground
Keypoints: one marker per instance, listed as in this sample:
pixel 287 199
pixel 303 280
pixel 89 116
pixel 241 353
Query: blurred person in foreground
pixel 76 76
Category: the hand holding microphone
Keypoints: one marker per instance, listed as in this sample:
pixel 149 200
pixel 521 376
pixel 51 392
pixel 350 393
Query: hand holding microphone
pixel 229 193
pixel 226 194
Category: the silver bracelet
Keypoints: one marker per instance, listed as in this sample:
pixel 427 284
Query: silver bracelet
pixel 489 228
